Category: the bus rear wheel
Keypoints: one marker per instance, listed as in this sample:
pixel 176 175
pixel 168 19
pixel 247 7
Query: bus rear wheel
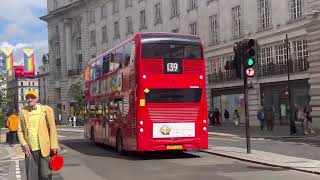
pixel 119 143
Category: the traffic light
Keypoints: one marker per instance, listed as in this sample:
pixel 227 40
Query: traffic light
pixel 237 49
pixel 249 49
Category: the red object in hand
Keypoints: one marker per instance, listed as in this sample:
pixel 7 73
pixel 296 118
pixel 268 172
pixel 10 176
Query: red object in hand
pixel 56 162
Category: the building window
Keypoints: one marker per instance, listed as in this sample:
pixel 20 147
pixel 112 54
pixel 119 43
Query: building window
pixel 115 6
pixel 128 3
pixel 129 25
pixel 79 44
pixel 214 65
pixel 103 12
pixel 300 50
pixel 174 8
pixel 55 4
pixel 116 30
pixel 32 83
pixel 143 23
pixel 21 90
pixel 193 28
pixel 295 9
pixel 91 16
pixel 104 34
pixel 213 22
pixel 266 56
pixel 21 83
pixel 22 97
pixel 175 30
pixel 236 21
pixel 157 15
pixel 80 61
pixel 281 53
pixel 92 38
pixel 58 92
pixel 193 4
pixel 264 14
pixel 57 49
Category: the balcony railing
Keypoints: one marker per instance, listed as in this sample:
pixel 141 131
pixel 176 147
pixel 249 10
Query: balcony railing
pixel 74 72
pixel 270 69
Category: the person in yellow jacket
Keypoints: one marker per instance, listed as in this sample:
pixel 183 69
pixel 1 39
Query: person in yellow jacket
pixel 37 134
pixel 12 125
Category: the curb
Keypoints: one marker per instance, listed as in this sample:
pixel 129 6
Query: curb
pixel 259 162
pixel 211 134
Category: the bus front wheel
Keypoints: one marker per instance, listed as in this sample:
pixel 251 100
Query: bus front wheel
pixel 119 142
pixel 92 134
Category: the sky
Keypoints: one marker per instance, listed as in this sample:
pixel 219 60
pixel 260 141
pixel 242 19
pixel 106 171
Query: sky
pixel 20 27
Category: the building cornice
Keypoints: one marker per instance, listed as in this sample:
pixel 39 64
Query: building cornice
pixel 61 10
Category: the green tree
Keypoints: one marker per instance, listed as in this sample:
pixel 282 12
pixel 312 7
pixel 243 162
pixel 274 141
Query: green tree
pixel 76 93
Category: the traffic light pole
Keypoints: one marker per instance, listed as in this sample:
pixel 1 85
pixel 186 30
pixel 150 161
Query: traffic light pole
pixel 245 87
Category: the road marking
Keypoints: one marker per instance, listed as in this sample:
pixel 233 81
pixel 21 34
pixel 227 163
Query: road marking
pixel 61 136
pixel 18 172
pixel 225 139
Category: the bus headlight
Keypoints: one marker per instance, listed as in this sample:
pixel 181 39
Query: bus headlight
pixel 201 77
pixel 144 76
pixel 141 130
pixel 204 121
pixel 204 128
pixel 141 123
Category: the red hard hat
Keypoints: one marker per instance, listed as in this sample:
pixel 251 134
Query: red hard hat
pixel 56 162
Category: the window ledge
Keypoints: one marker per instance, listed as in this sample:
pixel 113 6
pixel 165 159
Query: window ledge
pixel 295 20
pixel 265 29
pixel 191 9
pixel 175 16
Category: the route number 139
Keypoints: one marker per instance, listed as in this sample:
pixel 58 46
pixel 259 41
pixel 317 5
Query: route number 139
pixel 172 67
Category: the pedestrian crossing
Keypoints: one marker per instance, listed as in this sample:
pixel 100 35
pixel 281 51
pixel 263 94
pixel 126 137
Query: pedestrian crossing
pixel 4 170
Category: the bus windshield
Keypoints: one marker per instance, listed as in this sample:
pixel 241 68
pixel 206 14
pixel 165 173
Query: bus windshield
pixel 171 50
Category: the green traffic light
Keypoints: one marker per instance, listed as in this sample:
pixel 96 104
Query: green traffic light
pixel 250 62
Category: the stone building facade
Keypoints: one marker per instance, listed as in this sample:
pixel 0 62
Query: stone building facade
pixel 79 30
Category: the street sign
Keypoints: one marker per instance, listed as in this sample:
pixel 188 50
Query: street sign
pixel 250 72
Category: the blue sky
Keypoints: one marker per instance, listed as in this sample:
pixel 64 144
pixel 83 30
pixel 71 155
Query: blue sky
pixel 20 27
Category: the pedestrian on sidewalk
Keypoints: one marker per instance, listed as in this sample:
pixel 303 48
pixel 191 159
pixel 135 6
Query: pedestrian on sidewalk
pixel 70 121
pixel 261 118
pixel 236 117
pixel 217 117
pixel 12 124
pixel 226 115
pixel 302 117
pixel 309 118
pixel 269 117
pixel 38 136
pixel 211 118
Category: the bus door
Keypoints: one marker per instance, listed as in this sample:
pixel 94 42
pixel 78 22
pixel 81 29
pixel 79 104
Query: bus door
pixel 106 119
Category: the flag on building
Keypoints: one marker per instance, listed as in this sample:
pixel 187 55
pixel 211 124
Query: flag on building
pixel 7 60
pixel 28 60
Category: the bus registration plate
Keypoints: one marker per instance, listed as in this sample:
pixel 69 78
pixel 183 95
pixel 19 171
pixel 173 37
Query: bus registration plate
pixel 174 147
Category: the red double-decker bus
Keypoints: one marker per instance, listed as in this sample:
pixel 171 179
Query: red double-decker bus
pixel 148 94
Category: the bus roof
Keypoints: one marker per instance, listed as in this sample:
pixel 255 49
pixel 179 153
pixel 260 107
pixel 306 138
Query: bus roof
pixel 155 37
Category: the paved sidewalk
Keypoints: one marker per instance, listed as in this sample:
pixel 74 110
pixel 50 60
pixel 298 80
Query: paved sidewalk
pixel 255 132
pixel 267 158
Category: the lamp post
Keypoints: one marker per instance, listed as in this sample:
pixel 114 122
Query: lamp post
pixel 293 129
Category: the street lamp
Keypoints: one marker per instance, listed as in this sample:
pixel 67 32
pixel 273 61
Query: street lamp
pixel 293 129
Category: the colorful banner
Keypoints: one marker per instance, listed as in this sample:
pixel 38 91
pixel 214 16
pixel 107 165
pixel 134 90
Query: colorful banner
pixel 29 60
pixel 7 60
pixel 87 73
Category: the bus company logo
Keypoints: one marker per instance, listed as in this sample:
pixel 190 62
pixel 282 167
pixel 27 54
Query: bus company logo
pixel 165 130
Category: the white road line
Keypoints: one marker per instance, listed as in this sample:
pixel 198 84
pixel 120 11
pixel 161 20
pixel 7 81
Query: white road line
pixel 18 172
pixel 225 139
pixel 61 136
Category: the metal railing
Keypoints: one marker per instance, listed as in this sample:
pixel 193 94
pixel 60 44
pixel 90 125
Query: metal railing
pixel 269 69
